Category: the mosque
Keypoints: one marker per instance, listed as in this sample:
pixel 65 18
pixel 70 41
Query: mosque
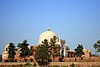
pixel 48 34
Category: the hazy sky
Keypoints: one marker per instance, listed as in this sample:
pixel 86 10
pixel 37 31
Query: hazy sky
pixel 76 21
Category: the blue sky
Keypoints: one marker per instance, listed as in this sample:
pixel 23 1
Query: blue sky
pixel 76 21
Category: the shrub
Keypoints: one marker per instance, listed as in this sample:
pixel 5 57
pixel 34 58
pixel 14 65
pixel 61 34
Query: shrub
pixel 34 64
pixel 31 59
pixel 27 63
pixel 25 60
pixel 61 59
pixel 72 65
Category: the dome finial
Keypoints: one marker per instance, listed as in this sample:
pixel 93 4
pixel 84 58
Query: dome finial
pixel 48 29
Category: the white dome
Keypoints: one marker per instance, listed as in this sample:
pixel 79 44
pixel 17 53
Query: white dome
pixel 46 35
pixel 6 47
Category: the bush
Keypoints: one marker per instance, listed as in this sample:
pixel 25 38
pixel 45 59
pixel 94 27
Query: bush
pixel 72 65
pixel 25 60
pixel 61 59
pixel 27 63
pixel 31 59
pixel 49 60
pixel 34 64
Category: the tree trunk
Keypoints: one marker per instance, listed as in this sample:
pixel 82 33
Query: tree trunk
pixel 95 51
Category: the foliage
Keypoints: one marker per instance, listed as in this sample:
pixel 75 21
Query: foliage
pixel 24 50
pixel 97 46
pixel 28 64
pixel 34 64
pixel 45 42
pixel 79 50
pixel 67 48
pixel 72 65
pixel 31 59
pixel 42 55
pixel 54 49
pixel 46 49
pixel 61 59
pixel 11 51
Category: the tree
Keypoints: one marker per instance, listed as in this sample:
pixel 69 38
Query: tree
pixel 46 50
pixel 54 48
pixel 67 48
pixel 24 50
pixel 42 55
pixel 11 51
pixel 79 50
pixel 97 46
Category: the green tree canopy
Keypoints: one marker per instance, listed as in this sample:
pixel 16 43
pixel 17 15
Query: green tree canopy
pixel 97 46
pixel 24 49
pixel 55 48
pixel 79 50
pixel 47 50
pixel 11 51
pixel 42 55
pixel 67 48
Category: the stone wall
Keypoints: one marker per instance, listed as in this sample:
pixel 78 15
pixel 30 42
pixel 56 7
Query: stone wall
pixel 79 64
pixel 89 59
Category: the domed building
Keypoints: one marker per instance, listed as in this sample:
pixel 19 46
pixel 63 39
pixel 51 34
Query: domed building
pixel 48 34
pixel 5 53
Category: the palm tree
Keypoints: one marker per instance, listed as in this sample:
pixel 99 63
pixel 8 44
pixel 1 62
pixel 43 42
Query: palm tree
pixel 95 46
pixel 79 50
pixel 98 47
pixel 11 51
pixel 24 50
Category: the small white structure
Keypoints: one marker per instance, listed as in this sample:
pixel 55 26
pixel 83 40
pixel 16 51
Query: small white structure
pixel 5 53
pixel 86 53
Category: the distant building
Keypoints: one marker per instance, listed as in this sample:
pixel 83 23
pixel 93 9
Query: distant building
pixel 48 35
pixel 64 52
pixel 86 53
pixel 5 53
